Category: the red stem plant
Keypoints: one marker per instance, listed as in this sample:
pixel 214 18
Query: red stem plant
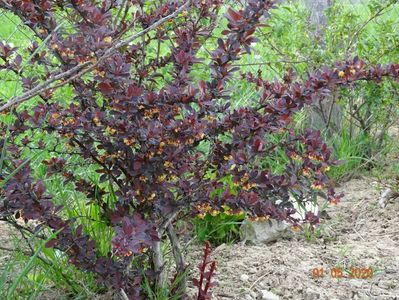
pixel 139 116
pixel 207 271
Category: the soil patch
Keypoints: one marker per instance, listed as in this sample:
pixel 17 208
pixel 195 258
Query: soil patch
pixel 359 235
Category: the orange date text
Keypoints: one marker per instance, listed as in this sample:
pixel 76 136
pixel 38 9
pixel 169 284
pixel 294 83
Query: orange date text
pixel 338 272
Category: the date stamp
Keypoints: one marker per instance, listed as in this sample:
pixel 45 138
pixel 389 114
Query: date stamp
pixel 338 272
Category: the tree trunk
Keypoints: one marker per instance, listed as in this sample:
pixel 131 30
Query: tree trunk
pixel 327 115
pixel 179 260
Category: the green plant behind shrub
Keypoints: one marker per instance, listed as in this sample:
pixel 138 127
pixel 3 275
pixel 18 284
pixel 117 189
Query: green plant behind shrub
pixel 219 228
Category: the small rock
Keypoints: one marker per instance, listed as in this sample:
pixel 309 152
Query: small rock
pixel 267 295
pixel 262 284
pixel 244 277
pixel 262 232
pixel 311 295
pixel 249 297
pixel 253 294
pixel 252 270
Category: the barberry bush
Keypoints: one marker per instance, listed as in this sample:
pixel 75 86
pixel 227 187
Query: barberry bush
pixel 109 87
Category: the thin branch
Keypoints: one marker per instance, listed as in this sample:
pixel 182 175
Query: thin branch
pixel 178 257
pixel 44 42
pixel 122 7
pixel 272 62
pixel 20 227
pixel 357 33
pixel 85 67
pixel 27 253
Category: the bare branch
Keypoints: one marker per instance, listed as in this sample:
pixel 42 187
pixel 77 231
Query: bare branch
pixel 81 69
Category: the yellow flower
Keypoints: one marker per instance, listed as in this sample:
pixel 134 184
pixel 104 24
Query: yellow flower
pixel 96 121
pixel 168 164
pixel 296 157
pixel 306 171
pixel 315 157
pixel 326 169
pixel 244 179
pixel 111 130
pixel 143 250
pixel 55 115
pixel 128 141
pixel 161 178
pixel 317 185
pixel 69 135
pixel 214 213
pixel 210 118
pixel 341 74
pixel 108 40
pixel 248 186
pixel 295 228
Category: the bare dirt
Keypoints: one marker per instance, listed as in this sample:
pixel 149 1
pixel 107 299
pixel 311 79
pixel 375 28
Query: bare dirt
pixel 358 235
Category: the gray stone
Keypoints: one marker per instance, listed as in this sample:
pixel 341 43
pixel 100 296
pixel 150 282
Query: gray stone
pixel 252 270
pixel 262 232
pixel 244 278
pixel 386 195
pixel 311 295
pixel 267 295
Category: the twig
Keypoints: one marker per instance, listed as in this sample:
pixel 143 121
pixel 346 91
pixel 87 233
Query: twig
pixel 119 13
pixel 41 46
pixel 14 250
pixel 384 234
pixel 376 15
pixel 179 258
pixel 123 295
pixel 359 234
pixel 19 227
pixel 271 62
pixel 257 280
pixel 85 67
pixel 158 263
